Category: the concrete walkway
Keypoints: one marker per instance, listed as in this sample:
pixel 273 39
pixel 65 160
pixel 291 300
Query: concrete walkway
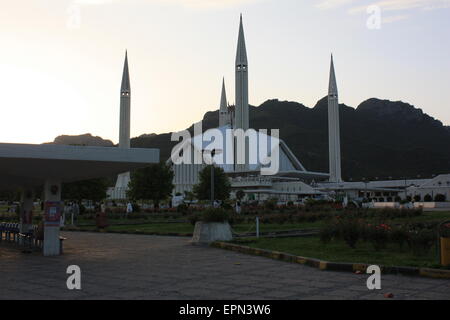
pixel 149 267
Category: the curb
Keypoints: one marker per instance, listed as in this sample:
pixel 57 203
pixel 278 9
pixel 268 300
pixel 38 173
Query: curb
pixel 332 266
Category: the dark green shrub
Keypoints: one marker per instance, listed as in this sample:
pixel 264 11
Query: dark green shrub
pixel 417 198
pixel 421 241
pixel 183 209
pixel 379 236
pixel 226 205
pixel 399 236
pixel 194 218
pixel 136 207
pixel 350 231
pixel 445 231
pixel 428 198
pixel 270 204
pixel 215 215
pixel 328 232
pixel 440 198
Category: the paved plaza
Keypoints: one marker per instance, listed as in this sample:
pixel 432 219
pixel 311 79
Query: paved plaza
pixel 117 266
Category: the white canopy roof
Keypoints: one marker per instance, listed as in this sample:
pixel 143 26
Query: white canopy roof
pixel 30 165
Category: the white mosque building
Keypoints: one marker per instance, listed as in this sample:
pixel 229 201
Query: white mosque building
pixel 292 182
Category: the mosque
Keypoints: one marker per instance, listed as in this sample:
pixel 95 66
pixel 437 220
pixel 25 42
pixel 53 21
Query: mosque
pixel 292 182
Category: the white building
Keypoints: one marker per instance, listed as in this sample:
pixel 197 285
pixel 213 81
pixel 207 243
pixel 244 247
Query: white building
pixel 432 187
pixel 289 184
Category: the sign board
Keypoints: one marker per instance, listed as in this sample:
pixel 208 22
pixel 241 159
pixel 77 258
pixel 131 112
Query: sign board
pixel 52 213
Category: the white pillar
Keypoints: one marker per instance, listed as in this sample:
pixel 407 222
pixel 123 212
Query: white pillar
pixel 26 210
pixel 242 109
pixel 53 210
pixel 334 128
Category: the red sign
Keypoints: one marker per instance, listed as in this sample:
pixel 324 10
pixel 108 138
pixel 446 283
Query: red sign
pixel 53 213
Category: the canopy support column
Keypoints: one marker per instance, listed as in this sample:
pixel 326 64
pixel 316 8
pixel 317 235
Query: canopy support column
pixel 52 216
pixel 26 210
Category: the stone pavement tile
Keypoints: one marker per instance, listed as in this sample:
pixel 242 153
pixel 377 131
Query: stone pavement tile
pixel 440 288
pixel 279 294
pixel 299 290
pixel 344 294
pixel 267 284
pixel 322 297
pixel 358 288
pixel 247 290
pixel 432 296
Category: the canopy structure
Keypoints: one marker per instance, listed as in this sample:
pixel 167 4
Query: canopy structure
pixel 26 165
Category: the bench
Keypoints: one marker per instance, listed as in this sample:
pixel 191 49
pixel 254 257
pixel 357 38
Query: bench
pixel 10 231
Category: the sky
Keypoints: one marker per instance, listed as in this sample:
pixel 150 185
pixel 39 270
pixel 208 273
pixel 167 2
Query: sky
pixel 61 60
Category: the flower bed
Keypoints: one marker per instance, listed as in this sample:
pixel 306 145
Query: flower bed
pixel 419 237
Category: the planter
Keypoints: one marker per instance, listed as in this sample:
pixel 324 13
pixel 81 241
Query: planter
pixel 207 232
pixel 445 251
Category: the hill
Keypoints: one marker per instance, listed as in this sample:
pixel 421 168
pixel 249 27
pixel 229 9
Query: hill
pixel 379 138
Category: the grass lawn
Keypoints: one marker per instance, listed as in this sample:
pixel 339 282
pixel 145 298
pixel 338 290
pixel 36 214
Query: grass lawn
pixel 427 216
pixel 338 251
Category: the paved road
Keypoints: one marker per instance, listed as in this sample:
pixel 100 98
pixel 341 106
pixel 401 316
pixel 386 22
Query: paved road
pixel 149 267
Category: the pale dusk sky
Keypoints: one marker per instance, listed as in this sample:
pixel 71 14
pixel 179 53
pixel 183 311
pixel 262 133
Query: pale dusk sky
pixel 61 60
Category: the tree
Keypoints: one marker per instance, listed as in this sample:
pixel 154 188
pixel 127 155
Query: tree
pixel 189 196
pixel 94 189
pixel 222 186
pixel 10 195
pixel 240 195
pixel 151 183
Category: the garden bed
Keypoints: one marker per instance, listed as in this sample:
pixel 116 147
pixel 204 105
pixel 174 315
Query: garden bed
pixel 339 251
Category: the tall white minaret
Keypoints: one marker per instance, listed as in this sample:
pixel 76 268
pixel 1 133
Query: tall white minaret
pixel 125 104
pixel 224 117
pixel 241 113
pixel 241 116
pixel 334 128
pixel 124 131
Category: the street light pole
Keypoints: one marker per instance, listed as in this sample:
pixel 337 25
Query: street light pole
pixel 212 183
pixel 213 153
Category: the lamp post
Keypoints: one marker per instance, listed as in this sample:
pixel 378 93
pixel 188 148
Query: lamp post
pixel 212 154
pixel 212 177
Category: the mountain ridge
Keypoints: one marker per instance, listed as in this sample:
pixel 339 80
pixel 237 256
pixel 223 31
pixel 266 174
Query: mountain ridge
pixel 379 138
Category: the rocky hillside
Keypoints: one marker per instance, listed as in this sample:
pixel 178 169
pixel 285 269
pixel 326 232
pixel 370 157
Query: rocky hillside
pixel 379 138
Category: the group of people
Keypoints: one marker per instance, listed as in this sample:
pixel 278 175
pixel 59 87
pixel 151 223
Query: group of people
pixel 71 209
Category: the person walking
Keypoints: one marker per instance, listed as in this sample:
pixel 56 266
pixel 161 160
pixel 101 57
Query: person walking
pixel 75 212
pixel 129 208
